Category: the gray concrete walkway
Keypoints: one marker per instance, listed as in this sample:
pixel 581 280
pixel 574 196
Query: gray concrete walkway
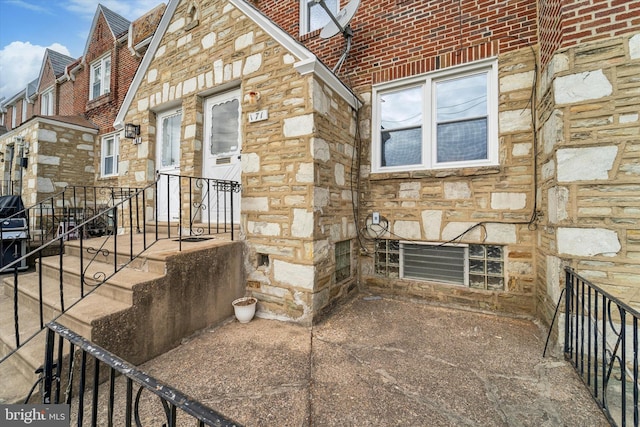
pixel 381 362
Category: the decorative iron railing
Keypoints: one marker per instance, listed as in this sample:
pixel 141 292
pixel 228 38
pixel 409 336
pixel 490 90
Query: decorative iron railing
pixel 125 215
pixel 206 205
pixel 74 368
pixel 601 342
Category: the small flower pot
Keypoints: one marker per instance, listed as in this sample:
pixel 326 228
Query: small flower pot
pixel 244 309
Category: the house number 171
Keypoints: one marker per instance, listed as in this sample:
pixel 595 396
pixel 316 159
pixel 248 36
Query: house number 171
pixel 258 116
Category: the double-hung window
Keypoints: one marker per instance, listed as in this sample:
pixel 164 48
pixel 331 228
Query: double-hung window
pixel 24 110
pixel 109 155
pixel 313 16
pixel 46 103
pixel 446 119
pixel 100 83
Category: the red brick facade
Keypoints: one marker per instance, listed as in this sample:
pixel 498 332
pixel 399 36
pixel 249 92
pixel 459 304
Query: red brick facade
pixel 567 23
pixel 395 39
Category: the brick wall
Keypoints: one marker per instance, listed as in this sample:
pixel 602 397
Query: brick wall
pixel 399 39
pixel 564 24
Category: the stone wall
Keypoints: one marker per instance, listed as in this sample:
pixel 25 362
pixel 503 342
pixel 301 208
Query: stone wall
pixel 590 169
pixel 296 199
pixel 439 206
pixel 55 151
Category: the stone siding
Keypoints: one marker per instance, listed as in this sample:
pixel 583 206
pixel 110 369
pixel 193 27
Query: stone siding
pixel 590 169
pixel 296 199
pixel 54 153
pixel 446 205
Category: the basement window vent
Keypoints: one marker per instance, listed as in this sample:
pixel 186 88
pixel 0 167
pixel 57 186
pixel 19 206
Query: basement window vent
pixel 475 266
pixel 343 260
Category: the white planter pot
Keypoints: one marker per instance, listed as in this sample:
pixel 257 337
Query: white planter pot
pixel 244 309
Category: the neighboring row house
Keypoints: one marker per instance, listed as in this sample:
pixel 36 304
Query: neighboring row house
pixel 461 152
pixel 60 127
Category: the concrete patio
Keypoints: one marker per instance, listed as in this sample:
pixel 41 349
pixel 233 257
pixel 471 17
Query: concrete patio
pixel 377 361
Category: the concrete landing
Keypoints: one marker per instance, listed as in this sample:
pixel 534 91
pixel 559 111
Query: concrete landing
pixel 381 362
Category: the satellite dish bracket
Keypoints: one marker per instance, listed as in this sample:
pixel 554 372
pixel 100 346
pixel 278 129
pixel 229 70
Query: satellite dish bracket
pixel 340 23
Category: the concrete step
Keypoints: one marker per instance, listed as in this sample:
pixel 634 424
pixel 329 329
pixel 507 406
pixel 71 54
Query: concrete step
pixel 102 250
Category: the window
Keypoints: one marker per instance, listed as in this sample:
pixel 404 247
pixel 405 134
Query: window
pixel 441 120
pixel 14 115
pixel 475 266
pixel 24 110
pixel 169 154
pixel 100 77
pixel 46 103
pixel 109 155
pixel 343 260
pixel 313 16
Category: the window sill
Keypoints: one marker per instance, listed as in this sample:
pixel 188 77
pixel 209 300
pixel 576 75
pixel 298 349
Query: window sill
pixel 97 102
pixel 436 173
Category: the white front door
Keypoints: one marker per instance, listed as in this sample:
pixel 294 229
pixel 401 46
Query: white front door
pixel 223 142
pixel 168 162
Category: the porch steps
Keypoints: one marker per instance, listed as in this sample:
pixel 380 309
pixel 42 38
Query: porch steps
pixel 114 296
pixel 169 291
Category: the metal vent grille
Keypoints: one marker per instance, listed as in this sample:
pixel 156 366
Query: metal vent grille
pixel 436 263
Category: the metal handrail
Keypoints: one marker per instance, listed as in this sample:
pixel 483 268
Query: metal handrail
pixel 601 341
pixel 80 349
pixel 128 213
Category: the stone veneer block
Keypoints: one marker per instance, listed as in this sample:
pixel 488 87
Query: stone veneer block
pixel 581 87
pixel 587 241
pixel 407 230
pixel 585 164
pixel 500 233
pixel 508 201
pixel 634 47
pixel 298 126
pixel 515 120
pixel 302 223
pixel 431 224
pixel 454 230
pixel 297 275
pixel 457 190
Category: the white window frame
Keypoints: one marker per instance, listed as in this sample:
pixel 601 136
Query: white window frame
pixel 304 16
pixel 105 76
pixel 427 83
pixel 46 102
pixel 24 110
pixel 14 115
pixel 115 155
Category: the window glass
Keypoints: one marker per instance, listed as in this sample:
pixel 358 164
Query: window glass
pixel 461 117
pixel 171 140
pixel 313 16
pixel 224 127
pixel 440 120
pixel 100 77
pixel 401 127
pixel 110 155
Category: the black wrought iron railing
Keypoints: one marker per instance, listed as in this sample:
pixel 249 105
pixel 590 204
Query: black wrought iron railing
pixel 72 373
pixel 123 214
pixel 601 341
pixel 205 205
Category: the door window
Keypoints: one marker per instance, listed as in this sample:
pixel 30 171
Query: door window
pixel 224 127
pixel 170 139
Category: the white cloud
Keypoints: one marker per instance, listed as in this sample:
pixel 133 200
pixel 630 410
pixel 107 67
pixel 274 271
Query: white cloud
pixel 20 63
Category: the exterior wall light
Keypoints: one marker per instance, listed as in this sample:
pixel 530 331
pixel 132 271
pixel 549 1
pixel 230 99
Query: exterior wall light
pixel 131 131
pixel 254 97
